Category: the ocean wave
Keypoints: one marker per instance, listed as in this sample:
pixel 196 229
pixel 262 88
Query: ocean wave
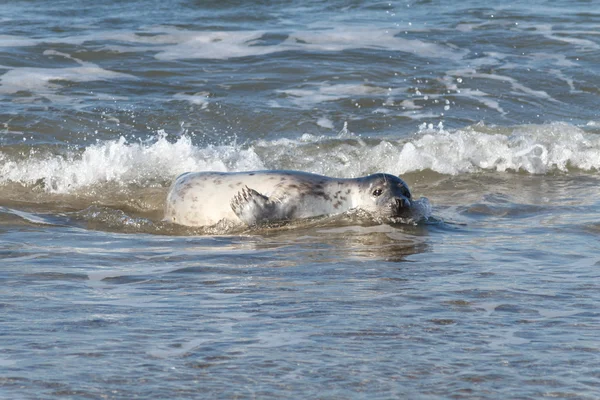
pixel 534 149
pixel 122 162
pixel 173 43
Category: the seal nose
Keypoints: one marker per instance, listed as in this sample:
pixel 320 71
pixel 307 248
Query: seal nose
pixel 402 202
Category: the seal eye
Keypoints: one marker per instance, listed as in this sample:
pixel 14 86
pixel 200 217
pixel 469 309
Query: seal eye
pixel 377 192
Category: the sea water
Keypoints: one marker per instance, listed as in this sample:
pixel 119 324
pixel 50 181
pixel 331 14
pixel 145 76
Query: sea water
pixel 489 110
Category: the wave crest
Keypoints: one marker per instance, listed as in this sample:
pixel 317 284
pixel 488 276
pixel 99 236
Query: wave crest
pixel 535 149
pixel 124 163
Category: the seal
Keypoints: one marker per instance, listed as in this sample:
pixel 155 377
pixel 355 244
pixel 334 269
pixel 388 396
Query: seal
pixel 258 197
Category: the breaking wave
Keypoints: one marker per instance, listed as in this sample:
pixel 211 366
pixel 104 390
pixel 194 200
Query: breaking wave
pixel 535 149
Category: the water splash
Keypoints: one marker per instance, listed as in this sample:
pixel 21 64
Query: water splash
pixel 119 161
pixel 535 149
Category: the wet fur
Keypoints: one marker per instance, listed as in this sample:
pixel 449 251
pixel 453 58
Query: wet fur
pixel 206 198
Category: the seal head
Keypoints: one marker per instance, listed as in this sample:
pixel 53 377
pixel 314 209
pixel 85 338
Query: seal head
pixel 385 196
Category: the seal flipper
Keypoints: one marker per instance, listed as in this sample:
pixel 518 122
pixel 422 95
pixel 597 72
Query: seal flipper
pixel 254 208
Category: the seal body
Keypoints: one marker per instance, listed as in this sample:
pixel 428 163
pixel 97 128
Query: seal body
pixel 251 198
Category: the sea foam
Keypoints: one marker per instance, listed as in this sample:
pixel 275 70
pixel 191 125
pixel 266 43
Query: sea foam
pixel 173 43
pixel 535 149
pixel 121 162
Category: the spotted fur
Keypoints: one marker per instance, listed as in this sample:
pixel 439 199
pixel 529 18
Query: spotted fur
pixel 251 198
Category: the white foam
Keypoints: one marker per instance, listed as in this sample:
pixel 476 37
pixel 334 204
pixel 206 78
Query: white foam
pixel 225 45
pixel 213 45
pixel 171 43
pixel 469 27
pixel 311 94
pixel 29 217
pixel 199 99
pixel 409 105
pixel 355 37
pixel 124 163
pixel 481 97
pixel 99 36
pixel 325 122
pixel 535 149
pixel 548 32
pixel 559 60
pixel 16 41
pixel 517 87
pixel 43 82
pixel 40 80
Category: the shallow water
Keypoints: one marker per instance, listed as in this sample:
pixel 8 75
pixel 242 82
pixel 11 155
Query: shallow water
pixel 490 112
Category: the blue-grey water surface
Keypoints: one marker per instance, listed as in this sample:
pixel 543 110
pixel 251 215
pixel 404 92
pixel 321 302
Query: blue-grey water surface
pixel 490 110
